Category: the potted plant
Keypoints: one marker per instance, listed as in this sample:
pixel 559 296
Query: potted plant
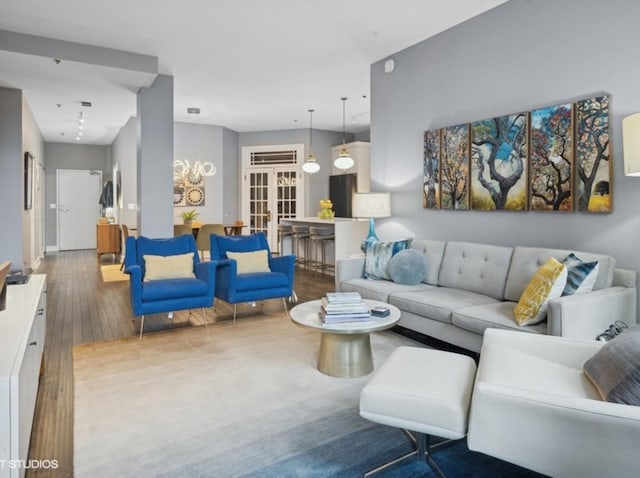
pixel 189 216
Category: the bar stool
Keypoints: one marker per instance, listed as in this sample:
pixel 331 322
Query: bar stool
pixel 284 230
pixel 300 236
pixel 320 237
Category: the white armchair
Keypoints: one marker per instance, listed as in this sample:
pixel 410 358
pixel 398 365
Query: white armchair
pixel 533 406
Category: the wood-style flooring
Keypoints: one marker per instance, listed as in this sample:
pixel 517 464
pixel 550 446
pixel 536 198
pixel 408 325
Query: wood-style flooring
pixel 81 308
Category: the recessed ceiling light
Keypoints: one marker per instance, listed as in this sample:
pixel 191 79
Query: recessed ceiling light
pixel 193 111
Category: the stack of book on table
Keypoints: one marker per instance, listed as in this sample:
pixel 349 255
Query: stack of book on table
pixel 339 307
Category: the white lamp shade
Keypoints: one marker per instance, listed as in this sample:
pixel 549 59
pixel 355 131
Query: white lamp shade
pixel 310 166
pixel 371 205
pixel 344 161
pixel 631 144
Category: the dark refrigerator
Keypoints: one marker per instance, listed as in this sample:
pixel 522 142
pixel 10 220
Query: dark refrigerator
pixel 341 189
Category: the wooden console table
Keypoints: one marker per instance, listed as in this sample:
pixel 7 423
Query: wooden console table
pixel 108 239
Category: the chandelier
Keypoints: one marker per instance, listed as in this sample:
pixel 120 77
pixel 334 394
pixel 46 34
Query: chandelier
pixel 182 168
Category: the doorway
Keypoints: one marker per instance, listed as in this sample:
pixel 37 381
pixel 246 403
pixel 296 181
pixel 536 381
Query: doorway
pixel 272 188
pixel 78 193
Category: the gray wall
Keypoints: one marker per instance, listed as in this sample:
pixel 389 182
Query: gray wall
pixel 69 156
pixel 317 185
pixel 11 178
pixel 198 142
pixel 230 176
pixel 124 157
pixel 32 224
pixel 519 56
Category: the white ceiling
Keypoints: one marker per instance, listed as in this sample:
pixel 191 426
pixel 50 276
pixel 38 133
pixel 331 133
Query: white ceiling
pixel 249 65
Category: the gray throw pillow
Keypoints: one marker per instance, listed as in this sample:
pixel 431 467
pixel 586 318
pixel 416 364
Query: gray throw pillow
pixel 408 267
pixel 615 369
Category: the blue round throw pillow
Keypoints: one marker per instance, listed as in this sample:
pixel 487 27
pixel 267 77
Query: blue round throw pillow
pixel 408 267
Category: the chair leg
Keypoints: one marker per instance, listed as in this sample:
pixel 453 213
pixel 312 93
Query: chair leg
pixel 141 325
pixel 284 302
pixel 423 451
pixel 204 317
pixel 234 314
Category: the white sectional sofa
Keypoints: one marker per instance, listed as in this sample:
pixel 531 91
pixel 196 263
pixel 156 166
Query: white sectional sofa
pixel 470 287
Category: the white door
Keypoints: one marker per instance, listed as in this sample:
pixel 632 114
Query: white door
pixel 78 208
pixel 272 195
pixel 272 188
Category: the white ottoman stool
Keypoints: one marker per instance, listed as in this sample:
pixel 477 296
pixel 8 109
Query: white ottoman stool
pixel 422 390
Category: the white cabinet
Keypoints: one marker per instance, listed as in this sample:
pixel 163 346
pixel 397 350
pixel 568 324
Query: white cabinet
pixel 359 151
pixel 22 331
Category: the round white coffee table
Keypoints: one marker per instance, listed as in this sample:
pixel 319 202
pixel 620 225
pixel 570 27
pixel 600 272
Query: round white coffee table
pixel 345 349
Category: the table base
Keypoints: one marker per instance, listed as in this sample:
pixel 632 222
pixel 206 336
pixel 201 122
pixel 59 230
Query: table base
pixel 345 355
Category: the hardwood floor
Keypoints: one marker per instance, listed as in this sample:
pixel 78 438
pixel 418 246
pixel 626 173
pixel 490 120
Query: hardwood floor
pixel 81 308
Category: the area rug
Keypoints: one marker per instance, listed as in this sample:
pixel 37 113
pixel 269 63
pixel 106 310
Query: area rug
pixel 226 401
pixel 112 273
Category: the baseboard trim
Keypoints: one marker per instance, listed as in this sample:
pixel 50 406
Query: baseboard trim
pixel 51 249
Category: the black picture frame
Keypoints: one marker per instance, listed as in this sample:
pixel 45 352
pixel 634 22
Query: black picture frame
pixel 28 180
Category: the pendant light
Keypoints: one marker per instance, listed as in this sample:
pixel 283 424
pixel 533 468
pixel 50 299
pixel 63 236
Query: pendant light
pixel 343 161
pixel 310 165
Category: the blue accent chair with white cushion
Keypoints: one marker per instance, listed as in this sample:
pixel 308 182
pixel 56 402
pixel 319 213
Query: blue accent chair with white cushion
pixel 166 275
pixel 247 272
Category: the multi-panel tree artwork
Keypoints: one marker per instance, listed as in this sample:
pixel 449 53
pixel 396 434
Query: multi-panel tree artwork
pixel 555 158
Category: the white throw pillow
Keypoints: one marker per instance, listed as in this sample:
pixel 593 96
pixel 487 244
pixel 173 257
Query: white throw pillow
pixel 248 262
pixel 178 266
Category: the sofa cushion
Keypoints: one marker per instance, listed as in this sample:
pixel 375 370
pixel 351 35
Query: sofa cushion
pixel 378 255
pixel 479 268
pixel 615 369
pixel 379 289
pixel 248 262
pixel 546 284
pixel 581 276
pixel 168 267
pixel 434 252
pixel 437 303
pixel 526 261
pixel 408 267
pixel 498 315
pixel 173 289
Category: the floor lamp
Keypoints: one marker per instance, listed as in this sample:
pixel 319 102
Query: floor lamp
pixel 371 205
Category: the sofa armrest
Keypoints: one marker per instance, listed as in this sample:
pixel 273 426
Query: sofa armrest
pixel 206 271
pixel 585 316
pixel 284 264
pixel 553 434
pixel 135 287
pixel 348 268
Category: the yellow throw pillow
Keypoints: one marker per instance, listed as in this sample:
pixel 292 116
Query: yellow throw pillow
pixel 168 267
pixel 546 284
pixel 248 262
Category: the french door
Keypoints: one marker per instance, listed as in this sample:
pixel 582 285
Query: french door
pixel 272 195
pixel 272 188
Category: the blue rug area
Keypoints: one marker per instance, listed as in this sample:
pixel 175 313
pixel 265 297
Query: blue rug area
pixel 352 455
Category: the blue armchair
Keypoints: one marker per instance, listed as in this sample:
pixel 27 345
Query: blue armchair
pixel 168 291
pixel 272 282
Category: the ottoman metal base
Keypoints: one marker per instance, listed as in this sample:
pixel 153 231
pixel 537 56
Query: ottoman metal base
pixel 423 451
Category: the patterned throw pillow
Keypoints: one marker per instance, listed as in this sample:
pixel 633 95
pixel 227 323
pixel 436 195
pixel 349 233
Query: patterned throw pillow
pixel 615 369
pixel 546 284
pixel 581 276
pixel 378 255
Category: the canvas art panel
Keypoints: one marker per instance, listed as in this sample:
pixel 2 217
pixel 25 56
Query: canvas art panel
pixel 593 159
pixel 454 172
pixel 551 158
pixel 431 170
pixel 499 163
